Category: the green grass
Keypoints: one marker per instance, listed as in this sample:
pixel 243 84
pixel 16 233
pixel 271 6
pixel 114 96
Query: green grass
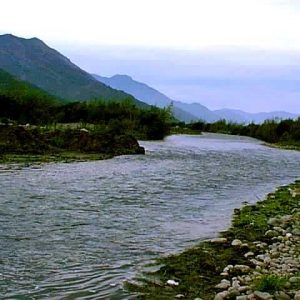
pixel 61 157
pixel 270 283
pixel 294 145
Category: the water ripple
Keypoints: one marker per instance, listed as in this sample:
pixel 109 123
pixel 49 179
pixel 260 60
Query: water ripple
pixel 79 230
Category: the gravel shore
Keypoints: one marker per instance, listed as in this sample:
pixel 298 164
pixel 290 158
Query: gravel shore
pixel 258 257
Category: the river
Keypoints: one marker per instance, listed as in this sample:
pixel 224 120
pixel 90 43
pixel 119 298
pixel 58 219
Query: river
pixel 78 230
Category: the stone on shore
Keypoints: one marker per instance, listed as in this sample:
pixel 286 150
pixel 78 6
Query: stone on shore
pixel 236 243
pixel 224 284
pixel 262 295
pixel 221 296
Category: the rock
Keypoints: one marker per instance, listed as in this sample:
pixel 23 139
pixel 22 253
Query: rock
pixel 261 257
pixel 294 280
pixel 236 243
pixel 243 297
pixel 261 245
pixel 278 229
pixel 242 268
pixel 247 279
pixel 172 282
pixel 233 292
pixel 243 289
pixel 262 295
pixel 228 268
pixel 274 222
pixel 221 296
pixel 249 254
pixel 218 240
pixel 235 284
pixel 245 246
pixel 297 296
pixel 256 262
pixel 296 231
pixel 286 219
pixel 271 233
pixel 288 285
pixel 224 284
pixel 282 296
pixel 179 296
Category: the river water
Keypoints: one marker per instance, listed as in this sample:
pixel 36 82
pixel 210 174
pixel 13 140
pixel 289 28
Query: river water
pixel 78 230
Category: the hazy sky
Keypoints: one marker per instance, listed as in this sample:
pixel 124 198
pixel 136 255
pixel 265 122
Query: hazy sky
pixel 222 53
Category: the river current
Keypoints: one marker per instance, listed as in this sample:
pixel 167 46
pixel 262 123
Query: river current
pixel 78 230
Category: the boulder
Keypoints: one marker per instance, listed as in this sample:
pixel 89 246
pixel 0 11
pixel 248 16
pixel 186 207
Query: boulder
pixel 224 284
pixel 236 243
pixel 262 295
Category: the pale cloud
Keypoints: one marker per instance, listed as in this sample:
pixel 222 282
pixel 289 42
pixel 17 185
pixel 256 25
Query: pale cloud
pixel 184 24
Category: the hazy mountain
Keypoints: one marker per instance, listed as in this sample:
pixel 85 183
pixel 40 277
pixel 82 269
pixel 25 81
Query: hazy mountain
pixel 199 110
pixel 33 61
pixel 186 111
pixel 145 93
pixel 240 116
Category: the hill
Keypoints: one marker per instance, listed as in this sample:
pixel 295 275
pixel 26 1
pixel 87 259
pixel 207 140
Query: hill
pixel 33 61
pixel 144 93
pixel 18 89
pixel 24 102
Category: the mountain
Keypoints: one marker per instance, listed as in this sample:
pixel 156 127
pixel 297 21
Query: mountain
pixel 18 89
pixel 33 61
pixel 199 110
pixel 186 112
pixel 240 116
pixel 145 93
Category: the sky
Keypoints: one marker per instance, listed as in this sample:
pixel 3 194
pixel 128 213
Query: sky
pixel 242 54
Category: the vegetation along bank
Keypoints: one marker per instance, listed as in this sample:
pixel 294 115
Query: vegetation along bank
pixel 258 257
pixel 21 144
pixel 102 128
pixel 283 133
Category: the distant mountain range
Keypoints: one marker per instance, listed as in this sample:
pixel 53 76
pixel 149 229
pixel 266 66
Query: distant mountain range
pixel 33 61
pixel 144 93
pixel 187 111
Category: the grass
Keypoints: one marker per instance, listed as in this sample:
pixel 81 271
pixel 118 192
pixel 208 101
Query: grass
pixel 184 130
pixel 198 269
pixel 295 145
pixel 66 156
pixel 270 283
pixel 25 145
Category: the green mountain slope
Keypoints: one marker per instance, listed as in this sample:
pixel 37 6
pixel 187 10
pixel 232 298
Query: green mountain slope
pixel 20 90
pixel 33 61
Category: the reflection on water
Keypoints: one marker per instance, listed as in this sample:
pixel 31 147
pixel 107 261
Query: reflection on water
pixel 80 229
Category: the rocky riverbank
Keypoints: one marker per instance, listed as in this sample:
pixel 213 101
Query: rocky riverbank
pixel 19 143
pixel 257 258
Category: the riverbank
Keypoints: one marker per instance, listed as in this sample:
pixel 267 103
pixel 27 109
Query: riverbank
pixel 19 144
pixel 258 257
pixel 285 146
